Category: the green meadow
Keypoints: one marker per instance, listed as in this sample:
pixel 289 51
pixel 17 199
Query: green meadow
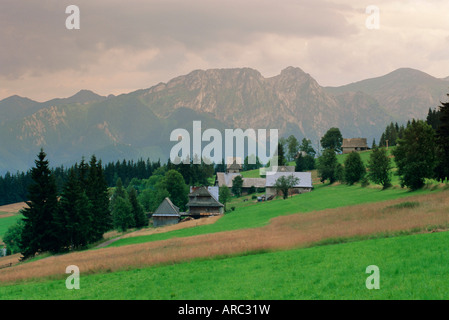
pixel 5 223
pixel 259 214
pixel 410 267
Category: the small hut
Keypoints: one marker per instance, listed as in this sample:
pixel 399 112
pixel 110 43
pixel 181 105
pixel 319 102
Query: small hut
pixel 166 214
pixel 354 144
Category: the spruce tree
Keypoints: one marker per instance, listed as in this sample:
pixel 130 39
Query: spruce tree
pixel 39 231
pixel 415 155
pixel 122 217
pixel 442 141
pixel 97 192
pixel 75 214
pixel 140 217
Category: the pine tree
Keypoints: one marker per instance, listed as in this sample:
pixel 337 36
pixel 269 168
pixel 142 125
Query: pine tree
pixel 415 155
pixel 75 217
pixel 39 232
pixel 281 155
pixel 442 141
pixel 140 218
pixel 237 184
pixel 122 217
pixel 97 192
pixel 122 214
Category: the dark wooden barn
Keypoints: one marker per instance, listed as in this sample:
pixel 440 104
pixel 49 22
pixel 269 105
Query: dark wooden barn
pixel 166 214
pixel 203 204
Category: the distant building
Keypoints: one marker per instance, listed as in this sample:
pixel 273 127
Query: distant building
pixel 279 169
pixel 234 165
pixel 225 179
pixel 304 184
pixel 166 214
pixel 286 169
pixel 203 204
pixel 213 190
pixel 354 144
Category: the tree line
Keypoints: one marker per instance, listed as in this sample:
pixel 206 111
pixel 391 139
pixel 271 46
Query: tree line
pixel 69 220
pixel 421 152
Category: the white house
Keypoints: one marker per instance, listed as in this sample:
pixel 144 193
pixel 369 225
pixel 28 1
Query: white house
pixel 304 184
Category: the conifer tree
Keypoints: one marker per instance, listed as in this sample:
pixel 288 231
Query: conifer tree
pixel 122 216
pixel 140 218
pixel 75 219
pixel 442 142
pixel 97 192
pixel 39 232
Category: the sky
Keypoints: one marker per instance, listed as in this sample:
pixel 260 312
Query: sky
pixel 123 46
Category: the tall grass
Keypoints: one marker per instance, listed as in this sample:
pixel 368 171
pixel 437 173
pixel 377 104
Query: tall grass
pixel 296 230
pixel 409 269
pixel 259 214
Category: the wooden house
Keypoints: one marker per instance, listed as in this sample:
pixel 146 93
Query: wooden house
pixel 354 144
pixel 233 167
pixel 166 214
pixel 304 184
pixel 226 179
pixel 203 204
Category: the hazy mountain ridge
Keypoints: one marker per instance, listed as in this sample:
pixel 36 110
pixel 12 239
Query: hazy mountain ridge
pixel 138 124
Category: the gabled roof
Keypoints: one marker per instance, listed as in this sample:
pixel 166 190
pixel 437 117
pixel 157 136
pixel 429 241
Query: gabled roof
pixel 354 143
pixel 207 199
pixel 256 182
pixel 225 179
pixel 213 190
pixel 305 178
pixel 166 209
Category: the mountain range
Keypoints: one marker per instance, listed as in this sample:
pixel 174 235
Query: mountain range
pixel 138 124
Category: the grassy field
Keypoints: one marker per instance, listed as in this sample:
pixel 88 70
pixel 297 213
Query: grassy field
pixel 408 270
pixel 259 214
pixel 311 246
pixel 6 222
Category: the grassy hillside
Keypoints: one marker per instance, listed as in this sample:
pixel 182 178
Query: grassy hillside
pixel 247 252
pixel 259 214
pixel 6 222
pixel 408 270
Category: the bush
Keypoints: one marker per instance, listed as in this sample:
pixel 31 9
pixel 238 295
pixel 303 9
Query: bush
pixel 354 169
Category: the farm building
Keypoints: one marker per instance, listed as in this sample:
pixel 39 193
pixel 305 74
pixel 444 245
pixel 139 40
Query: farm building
pixel 203 204
pixel 225 179
pixel 213 190
pixel 304 184
pixel 234 167
pixel 166 214
pixel 354 144
pixel 286 169
pixel 278 169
